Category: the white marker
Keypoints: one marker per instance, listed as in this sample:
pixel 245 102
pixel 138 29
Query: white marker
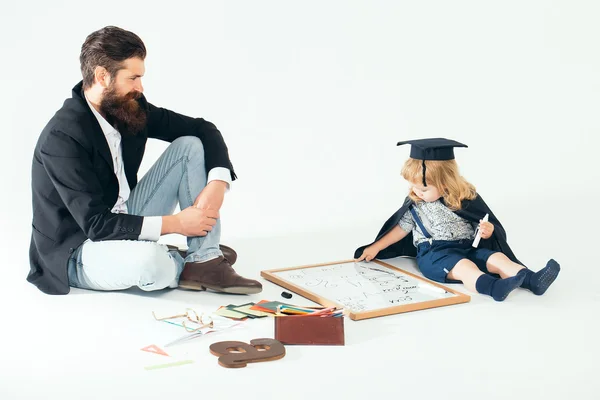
pixel 478 232
pixel 433 288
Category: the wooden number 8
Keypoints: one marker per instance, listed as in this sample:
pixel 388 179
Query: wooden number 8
pixel 239 354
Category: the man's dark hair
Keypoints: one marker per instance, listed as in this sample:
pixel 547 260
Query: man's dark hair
pixel 108 48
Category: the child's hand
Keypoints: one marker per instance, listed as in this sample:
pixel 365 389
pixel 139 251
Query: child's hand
pixel 369 253
pixel 486 228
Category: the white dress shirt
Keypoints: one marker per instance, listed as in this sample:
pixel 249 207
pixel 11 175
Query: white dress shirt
pixel 151 226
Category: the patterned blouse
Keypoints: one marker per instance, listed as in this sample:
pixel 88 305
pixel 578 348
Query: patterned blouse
pixel 441 223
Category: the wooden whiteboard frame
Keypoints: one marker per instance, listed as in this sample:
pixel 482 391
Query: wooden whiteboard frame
pixel 457 299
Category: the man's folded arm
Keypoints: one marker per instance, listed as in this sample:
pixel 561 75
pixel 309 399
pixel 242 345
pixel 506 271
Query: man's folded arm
pixel 168 125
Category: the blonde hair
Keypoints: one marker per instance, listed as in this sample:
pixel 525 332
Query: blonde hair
pixel 445 176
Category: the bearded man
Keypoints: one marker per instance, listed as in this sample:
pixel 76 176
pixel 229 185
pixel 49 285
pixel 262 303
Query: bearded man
pixel 94 225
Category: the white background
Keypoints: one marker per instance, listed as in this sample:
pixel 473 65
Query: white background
pixel 311 98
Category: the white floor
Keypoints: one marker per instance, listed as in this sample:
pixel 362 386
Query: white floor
pixel 86 345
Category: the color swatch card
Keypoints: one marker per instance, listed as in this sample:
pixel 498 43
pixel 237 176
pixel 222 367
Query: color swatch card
pixel 246 309
pixel 232 314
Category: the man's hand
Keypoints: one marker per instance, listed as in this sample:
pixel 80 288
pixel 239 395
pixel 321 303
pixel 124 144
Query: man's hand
pixel 486 229
pixel 190 222
pixel 211 197
pixel 369 253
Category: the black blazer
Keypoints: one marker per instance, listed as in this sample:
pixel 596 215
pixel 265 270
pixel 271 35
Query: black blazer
pixel 74 186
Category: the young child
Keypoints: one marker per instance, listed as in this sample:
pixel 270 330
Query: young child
pixel 437 223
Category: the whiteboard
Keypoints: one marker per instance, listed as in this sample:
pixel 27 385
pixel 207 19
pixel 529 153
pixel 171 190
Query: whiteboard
pixel 364 289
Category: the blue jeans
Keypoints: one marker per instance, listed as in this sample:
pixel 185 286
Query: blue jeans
pixel 177 177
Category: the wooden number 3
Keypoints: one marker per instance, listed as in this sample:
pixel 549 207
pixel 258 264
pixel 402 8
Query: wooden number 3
pixel 239 354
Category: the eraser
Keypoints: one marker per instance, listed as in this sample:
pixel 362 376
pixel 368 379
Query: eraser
pixel 286 295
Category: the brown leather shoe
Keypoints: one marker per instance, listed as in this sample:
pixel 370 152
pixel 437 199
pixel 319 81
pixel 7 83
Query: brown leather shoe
pixel 227 251
pixel 218 275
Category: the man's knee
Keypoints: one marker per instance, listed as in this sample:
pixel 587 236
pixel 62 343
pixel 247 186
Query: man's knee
pixel 190 144
pixel 157 269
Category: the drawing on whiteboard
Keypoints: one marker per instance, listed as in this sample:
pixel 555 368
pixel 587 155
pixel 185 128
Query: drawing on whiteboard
pixel 365 290
pixel 359 286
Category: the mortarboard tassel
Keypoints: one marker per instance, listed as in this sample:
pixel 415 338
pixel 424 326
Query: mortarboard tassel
pixel 424 170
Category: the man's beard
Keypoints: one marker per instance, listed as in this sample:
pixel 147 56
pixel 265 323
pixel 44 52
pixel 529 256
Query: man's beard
pixel 123 112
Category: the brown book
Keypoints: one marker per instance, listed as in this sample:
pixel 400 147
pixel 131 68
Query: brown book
pixel 303 329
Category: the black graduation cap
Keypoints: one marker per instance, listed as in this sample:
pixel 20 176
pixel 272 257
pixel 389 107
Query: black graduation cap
pixel 439 149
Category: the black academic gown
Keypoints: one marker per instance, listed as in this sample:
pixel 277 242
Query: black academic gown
pixel 472 210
